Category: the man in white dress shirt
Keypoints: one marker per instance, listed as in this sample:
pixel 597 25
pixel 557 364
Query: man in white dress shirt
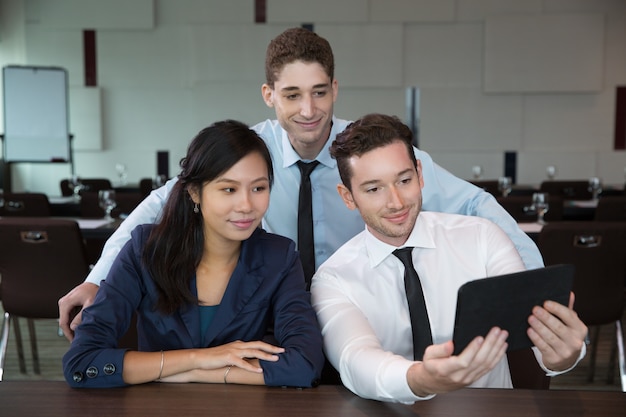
pixel 359 294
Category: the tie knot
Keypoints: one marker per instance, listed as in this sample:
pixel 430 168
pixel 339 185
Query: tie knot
pixel 307 167
pixel 404 254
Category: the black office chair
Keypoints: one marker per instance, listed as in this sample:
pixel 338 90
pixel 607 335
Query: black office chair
pixel 491 186
pixel 568 190
pixel 25 205
pixel 40 261
pixel 146 185
pixel 611 209
pixel 89 184
pixel 126 202
pixel 520 208
pixel 598 252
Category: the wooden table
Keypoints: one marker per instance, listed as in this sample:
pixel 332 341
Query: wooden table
pixel 55 398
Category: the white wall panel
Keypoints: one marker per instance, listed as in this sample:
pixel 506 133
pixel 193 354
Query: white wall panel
pixel 612 168
pixel 581 122
pixel 615 49
pixel 443 55
pixel 62 48
pixel 85 115
pixel 353 103
pixel 544 53
pixel 584 6
pixel 91 14
pixel 139 122
pixel 473 10
pixel 176 12
pixel 230 52
pixel 461 163
pixel 229 100
pixel 458 119
pixel 411 10
pixel 318 11
pixel 143 58
pixel 531 165
pixel 366 55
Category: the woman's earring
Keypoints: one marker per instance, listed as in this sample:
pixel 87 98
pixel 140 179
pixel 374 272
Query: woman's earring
pixel 196 208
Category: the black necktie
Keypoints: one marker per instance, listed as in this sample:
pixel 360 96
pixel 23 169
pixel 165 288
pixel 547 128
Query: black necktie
pixel 420 324
pixel 305 221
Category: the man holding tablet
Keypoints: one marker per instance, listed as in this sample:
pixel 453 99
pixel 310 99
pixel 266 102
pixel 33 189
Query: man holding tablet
pixel 382 344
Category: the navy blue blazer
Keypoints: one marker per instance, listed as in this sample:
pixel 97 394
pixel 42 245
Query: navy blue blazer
pixel 266 289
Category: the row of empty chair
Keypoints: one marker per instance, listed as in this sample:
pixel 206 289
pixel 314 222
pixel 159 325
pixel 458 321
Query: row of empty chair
pixel 520 208
pixel 146 185
pixel 566 189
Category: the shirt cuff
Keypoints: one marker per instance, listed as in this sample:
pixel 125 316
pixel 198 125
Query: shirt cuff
pixel 550 373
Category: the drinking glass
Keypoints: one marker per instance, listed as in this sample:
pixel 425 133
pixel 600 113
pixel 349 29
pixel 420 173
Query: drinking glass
pixel 504 185
pixel 541 206
pixel 121 172
pixel 551 171
pixel 76 186
pixel 106 199
pixel 477 170
pixel 595 187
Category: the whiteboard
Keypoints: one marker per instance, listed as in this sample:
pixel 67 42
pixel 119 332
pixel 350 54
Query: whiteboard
pixel 35 114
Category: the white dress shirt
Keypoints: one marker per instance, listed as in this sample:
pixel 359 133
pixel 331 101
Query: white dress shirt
pixel 361 304
pixel 333 223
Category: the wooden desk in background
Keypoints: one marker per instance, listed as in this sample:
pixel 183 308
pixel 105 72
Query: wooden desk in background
pixel 55 398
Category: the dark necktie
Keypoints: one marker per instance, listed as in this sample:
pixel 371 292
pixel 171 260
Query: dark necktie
pixel 305 221
pixel 420 324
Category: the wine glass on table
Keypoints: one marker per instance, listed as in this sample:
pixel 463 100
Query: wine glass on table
pixel 505 184
pixel 541 206
pixel 595 187
pixel 76 186
pixel 106 199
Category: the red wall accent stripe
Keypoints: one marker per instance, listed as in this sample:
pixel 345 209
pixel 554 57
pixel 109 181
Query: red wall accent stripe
pixel 89 49
pixel 620 118
pixel 260 11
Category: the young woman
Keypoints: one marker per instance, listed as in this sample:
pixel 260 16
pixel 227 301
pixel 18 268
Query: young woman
pixel 206 284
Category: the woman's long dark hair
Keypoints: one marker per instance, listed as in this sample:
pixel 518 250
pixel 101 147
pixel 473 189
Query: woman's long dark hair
pixel 174 248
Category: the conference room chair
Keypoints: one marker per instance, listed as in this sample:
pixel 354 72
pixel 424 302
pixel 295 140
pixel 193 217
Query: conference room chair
pixel 520 208
pixel 611 209
pixel 567 189
pixel 126 202
pixel 40 261
pixel 89 184
pixel 598 252
pixel 146 185
pixel 25 205
pixel 491 186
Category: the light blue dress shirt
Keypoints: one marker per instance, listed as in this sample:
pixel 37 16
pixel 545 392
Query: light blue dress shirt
pixel 333 223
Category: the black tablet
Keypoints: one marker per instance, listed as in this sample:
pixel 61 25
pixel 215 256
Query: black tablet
pixel 507 301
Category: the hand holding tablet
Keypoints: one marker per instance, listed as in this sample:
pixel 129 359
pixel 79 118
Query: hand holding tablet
pixel 506 301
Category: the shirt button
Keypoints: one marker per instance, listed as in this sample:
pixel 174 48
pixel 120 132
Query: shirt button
pixel 92 372
pixel 77 377
pixel 109 369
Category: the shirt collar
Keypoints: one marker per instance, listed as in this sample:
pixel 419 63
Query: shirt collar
pixel 420 237
pixel 290 156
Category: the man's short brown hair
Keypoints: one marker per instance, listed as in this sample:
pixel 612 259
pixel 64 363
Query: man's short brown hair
pixel 297 44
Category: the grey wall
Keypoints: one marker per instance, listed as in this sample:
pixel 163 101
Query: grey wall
pixel 533 76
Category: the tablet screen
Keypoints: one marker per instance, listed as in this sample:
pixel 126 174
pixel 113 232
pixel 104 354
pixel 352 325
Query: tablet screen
pixel 507 301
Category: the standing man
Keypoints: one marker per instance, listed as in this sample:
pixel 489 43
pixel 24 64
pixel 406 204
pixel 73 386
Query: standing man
pixel 385 344
pixel 301 87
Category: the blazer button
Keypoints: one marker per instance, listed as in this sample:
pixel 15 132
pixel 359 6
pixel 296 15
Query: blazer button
pixel 109 369
pixel 92 372
pixel 78 376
